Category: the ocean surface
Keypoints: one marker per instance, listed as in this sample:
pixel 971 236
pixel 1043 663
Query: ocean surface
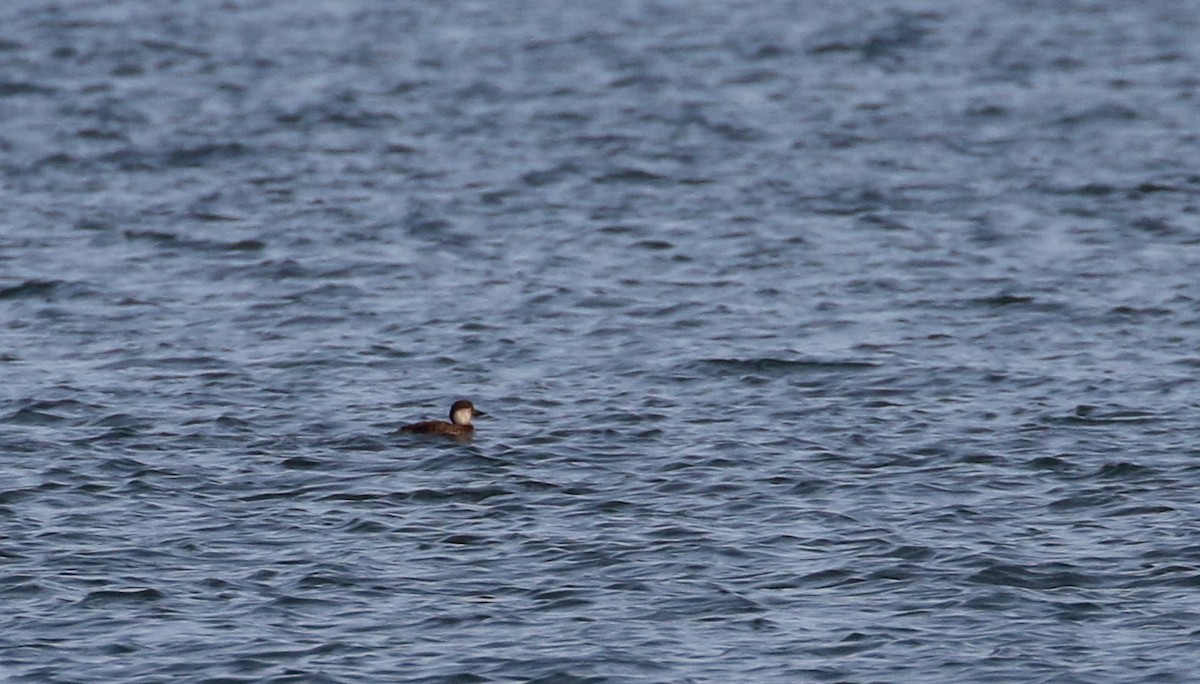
pixel 822 341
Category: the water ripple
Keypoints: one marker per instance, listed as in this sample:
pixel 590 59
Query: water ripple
pixel 821 341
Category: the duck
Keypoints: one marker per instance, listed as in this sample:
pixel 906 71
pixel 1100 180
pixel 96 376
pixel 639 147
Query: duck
pixel 461 415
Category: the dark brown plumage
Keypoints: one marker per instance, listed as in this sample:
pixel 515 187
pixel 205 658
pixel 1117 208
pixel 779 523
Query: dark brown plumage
pixel 461 415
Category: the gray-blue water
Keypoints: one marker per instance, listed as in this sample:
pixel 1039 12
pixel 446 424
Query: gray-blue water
pixel 823 341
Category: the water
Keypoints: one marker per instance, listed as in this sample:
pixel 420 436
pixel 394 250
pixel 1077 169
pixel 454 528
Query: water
pixel 841 342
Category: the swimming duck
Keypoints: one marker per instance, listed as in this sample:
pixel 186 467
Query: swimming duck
pixel 461 415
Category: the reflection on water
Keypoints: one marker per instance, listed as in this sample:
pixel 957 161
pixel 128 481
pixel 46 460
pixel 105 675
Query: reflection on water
pixel 826 342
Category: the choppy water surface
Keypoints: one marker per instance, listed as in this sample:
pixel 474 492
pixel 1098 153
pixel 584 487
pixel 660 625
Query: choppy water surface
pixel 823 341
